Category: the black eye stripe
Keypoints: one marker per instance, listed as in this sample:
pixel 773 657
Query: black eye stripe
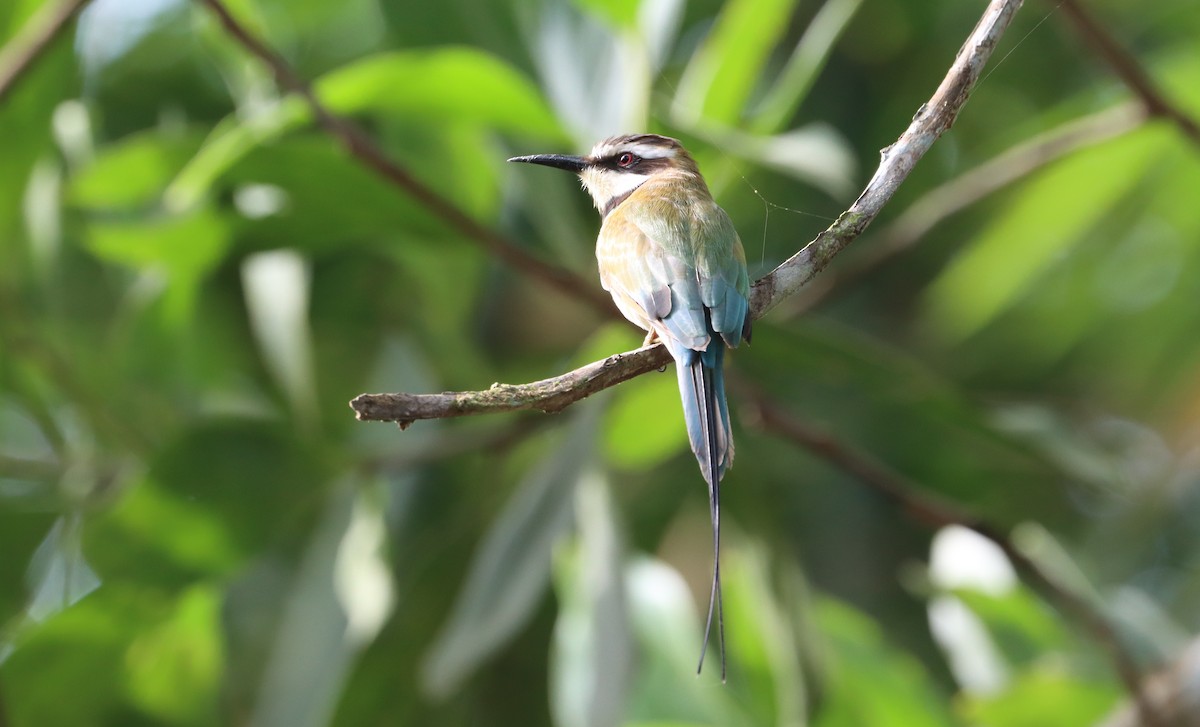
pixel 641 165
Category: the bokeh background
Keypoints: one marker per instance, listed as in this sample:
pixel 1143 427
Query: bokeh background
pixel 195 280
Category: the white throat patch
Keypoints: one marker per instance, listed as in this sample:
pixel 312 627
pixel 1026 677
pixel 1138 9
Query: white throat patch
pixel 605 185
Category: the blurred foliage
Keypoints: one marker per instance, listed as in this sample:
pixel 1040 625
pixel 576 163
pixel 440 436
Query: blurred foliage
pixel 194 280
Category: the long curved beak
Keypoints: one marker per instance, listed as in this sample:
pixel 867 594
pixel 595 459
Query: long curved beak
pixel 558 161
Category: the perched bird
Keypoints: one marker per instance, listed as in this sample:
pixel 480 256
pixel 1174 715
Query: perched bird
pixel 675 267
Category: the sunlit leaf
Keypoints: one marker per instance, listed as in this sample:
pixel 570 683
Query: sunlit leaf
pixel 87 646
pixel 449 83
pixel 725 70
pixel 133 171
pixel 174 665
pixel 808 59
pixel 620 13
pixel 1046 690
pixel 1047 219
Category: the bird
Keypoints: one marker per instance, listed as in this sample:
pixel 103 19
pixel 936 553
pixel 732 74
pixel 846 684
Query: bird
pixel 675 267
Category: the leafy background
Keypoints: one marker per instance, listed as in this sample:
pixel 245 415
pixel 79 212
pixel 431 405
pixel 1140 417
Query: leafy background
pixel 194 280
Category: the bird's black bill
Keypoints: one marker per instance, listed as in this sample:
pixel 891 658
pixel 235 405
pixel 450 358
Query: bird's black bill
pixel 558 161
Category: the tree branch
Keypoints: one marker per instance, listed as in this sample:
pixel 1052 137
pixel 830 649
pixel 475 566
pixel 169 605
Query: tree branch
pixel 1128 69
pixel 20 53
pixel 937 513
pixel 548 395
pixel 1174 692
pixel 932 119
pixel 362 148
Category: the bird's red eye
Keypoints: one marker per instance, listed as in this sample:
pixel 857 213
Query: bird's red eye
pixel 626 160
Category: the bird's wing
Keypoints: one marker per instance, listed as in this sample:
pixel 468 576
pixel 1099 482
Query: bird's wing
pixel 700 258
pixel 658 279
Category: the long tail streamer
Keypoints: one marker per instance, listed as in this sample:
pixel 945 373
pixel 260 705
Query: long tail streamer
pixel 706 391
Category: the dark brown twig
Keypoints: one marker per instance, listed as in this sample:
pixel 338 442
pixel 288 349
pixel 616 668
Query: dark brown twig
pixel 930 121
pixel 20 53
pixel 362 148
pixel 937 513
pixel 1128 69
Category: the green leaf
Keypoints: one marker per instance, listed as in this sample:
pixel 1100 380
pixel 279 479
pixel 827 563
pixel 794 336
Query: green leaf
pixel 725 71
pixel 431 87
pixel 644 427
pixel 867 681
pixel 230 140
pixel 330 200
pixel 1022 627
pixel 171 536
pixel 669 633
pixel 1046 690
pixel 591 659
pixel 450 83
pixel 1052 213
pixel 764 665
pixel 618 13
pixel 325 615
pixel 87 646
pixel 185 247
pixel 790 89
pixel 175 665
pixel 133 171
pixel 511 566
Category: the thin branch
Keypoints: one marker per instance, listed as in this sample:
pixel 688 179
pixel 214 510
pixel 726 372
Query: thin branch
pixel 1128 69
pixel 548 395
pixel 1174 691
pixel 938 513
pixel 931 121
pixel 20 53
pixel 362 148
pixel 975 184
pixel 22 468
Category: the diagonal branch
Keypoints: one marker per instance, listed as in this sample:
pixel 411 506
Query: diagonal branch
pixel 1174 691
pixel 1128 69
pixel 548 395
pixel 19 55
pixel 362 148
pixel 937 513
pixel 932 119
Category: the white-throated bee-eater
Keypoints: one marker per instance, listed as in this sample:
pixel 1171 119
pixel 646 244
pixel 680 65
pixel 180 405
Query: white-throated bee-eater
pixel 675 267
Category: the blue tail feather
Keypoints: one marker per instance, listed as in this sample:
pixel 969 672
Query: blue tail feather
pixel 706 413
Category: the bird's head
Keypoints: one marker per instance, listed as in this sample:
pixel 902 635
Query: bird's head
pixel 620 164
